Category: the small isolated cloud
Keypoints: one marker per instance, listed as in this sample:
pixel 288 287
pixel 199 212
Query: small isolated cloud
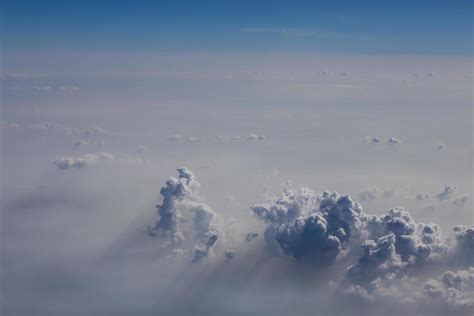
pixel 180 138
pixel 140 149
pixel 68 88
pixel 229 255
pixel 66 163
pixel 255 137
pixel 251 236
pixel 95 132
pixel 82 142
pixel 393 141
pixel 227 139
pixel 174 138
pixel 203 250
pixel 369 194
pixel 422 196
pixel 374 193
pixel 192 139
pixel 19 76
pixel 42 88
pixel 373 140
pixel 461 201
pixel 448 192
pixel 389 193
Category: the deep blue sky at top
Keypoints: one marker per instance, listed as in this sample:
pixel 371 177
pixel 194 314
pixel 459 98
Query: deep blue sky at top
pixel 346 27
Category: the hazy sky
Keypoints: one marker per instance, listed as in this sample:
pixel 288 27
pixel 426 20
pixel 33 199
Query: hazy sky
pixel 268 104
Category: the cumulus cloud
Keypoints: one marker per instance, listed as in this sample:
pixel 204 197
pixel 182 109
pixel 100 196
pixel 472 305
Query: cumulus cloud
pixel 42 88
pixel 251 236
pixel 373 140
pixel 140 149
pixel 369 194
pixel 308 227
pixel 372 194
pixel 205 249
pixel 448 192
pixel 422 196
pixel 393 141
pixel 95 132
pixel 229 255
pixel 66 163
pixel 255 137
pixel 460 201
pixel 184 214
pixel 330 228
pixel 378 140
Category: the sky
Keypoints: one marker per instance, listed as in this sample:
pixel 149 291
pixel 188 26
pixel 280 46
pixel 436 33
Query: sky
pixel 236 158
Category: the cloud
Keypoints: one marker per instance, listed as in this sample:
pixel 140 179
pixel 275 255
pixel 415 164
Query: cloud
pixel 183 214
pixel 255 137
pixel 18 76
pixel 66 163
pixel 369 194
pixel 393 141
pixel 251 236
pixel 461 201
pixel 378 140
pixel 448 192
pixel 308 227
pixel 202 251
pixel 42 88
pixel 95 132
pixel 372 194
pixel 373 140
pixel 229 255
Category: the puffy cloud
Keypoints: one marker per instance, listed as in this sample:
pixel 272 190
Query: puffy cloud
pixel 422 196
pixel 255 137
pixel 464 246
pixel 369 194
pixel 183 213
pixel 388 193
pixel 95 132
pixel 379 258
pixel 174 138
pixel 460 201
pixel 454 289
pixel 308 227
pixel 373 140
pixel 447 193
pixel 42 88
pixel 393 141
pixel 378 140
pixel 251 236
pixel 229 255
pixel 141 149
pixel 414 242
pixel 65 163
pixel 203 250
pixel 374 193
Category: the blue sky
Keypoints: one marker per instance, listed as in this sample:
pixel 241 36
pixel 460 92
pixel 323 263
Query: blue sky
pixel 368 27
